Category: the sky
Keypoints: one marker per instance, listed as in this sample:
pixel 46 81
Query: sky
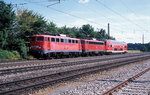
pixel 129 19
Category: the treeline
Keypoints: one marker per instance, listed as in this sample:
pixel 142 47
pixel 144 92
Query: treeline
pixel 17 27
pixel 138 46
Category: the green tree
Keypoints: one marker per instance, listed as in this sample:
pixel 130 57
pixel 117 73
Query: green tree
pixel 52 28
pixel 143 48
pixel 87 31
pixel 7 18
pixel 30 23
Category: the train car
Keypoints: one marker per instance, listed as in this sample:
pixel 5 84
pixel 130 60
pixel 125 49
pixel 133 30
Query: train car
pixel 112 46
pixel 92 47
pixel 54 46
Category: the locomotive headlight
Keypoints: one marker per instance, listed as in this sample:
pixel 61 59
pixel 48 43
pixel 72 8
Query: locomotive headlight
pixel 38 46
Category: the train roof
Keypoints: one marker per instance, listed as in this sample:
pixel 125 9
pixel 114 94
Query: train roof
pixel 54 36
pixel 92 40
pixel 115 42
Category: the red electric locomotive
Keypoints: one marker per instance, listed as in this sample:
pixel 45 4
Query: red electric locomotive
pixel 92 47
pixel 112 46
pixel 54 46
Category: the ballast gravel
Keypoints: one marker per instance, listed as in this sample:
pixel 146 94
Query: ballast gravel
pixel 99 85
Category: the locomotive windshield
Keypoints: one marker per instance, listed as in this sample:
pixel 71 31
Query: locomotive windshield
pixel 37 38
pixel 40 39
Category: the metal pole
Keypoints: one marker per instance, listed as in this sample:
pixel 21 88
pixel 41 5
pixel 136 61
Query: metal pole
pixel 108 30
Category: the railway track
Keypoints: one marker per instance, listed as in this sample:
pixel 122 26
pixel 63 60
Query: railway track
pixel 21 86
pixel 135 85
pixel 37 62
pixel 6 71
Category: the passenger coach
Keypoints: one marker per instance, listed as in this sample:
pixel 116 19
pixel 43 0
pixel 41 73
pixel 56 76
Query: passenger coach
pixel 112 46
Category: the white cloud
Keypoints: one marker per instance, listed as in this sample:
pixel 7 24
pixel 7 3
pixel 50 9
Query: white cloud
pixel 132 16
pixel 78 23
pixel 81 12
pixel 84 1
pixel 138 17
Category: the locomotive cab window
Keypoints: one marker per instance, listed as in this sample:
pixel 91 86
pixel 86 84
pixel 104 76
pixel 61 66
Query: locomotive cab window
pixel 40 39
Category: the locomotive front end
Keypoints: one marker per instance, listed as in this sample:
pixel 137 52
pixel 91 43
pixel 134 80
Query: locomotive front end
pixel 38 46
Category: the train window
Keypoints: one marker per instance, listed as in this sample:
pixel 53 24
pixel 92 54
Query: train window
pixel 40 38
pixel 53 39
pixel 125 47
pixel 69 40
pixel 96 43
pixel 115 49
pixel 82 42
pixel 76 41
pixel 73 41
pixel 101 43
pixel 92 43
pixel 62 40
pixel 66 40
pixel 57 39
pixel 110 45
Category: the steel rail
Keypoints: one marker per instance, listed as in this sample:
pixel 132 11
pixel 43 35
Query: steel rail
pixel 60 76
pixel 40 67
pixel 31 61
pixel 124 83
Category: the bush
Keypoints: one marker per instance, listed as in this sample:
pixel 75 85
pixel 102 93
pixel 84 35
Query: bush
pixel 9 55
pixel 21 47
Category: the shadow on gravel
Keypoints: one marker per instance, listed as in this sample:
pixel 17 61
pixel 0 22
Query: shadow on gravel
pixel 110 80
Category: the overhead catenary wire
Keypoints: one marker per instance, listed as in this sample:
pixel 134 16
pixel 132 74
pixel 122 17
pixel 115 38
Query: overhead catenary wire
pixel 99 13
pixel 125 5
pixel 115 12
pixel 43 4
pixel 69 14
pixel 131 10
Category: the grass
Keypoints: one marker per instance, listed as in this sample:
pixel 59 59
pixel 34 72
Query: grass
pixel 134 51
pixel 9 55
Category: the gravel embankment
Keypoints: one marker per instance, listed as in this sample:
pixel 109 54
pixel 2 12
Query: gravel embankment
pixel 96 85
